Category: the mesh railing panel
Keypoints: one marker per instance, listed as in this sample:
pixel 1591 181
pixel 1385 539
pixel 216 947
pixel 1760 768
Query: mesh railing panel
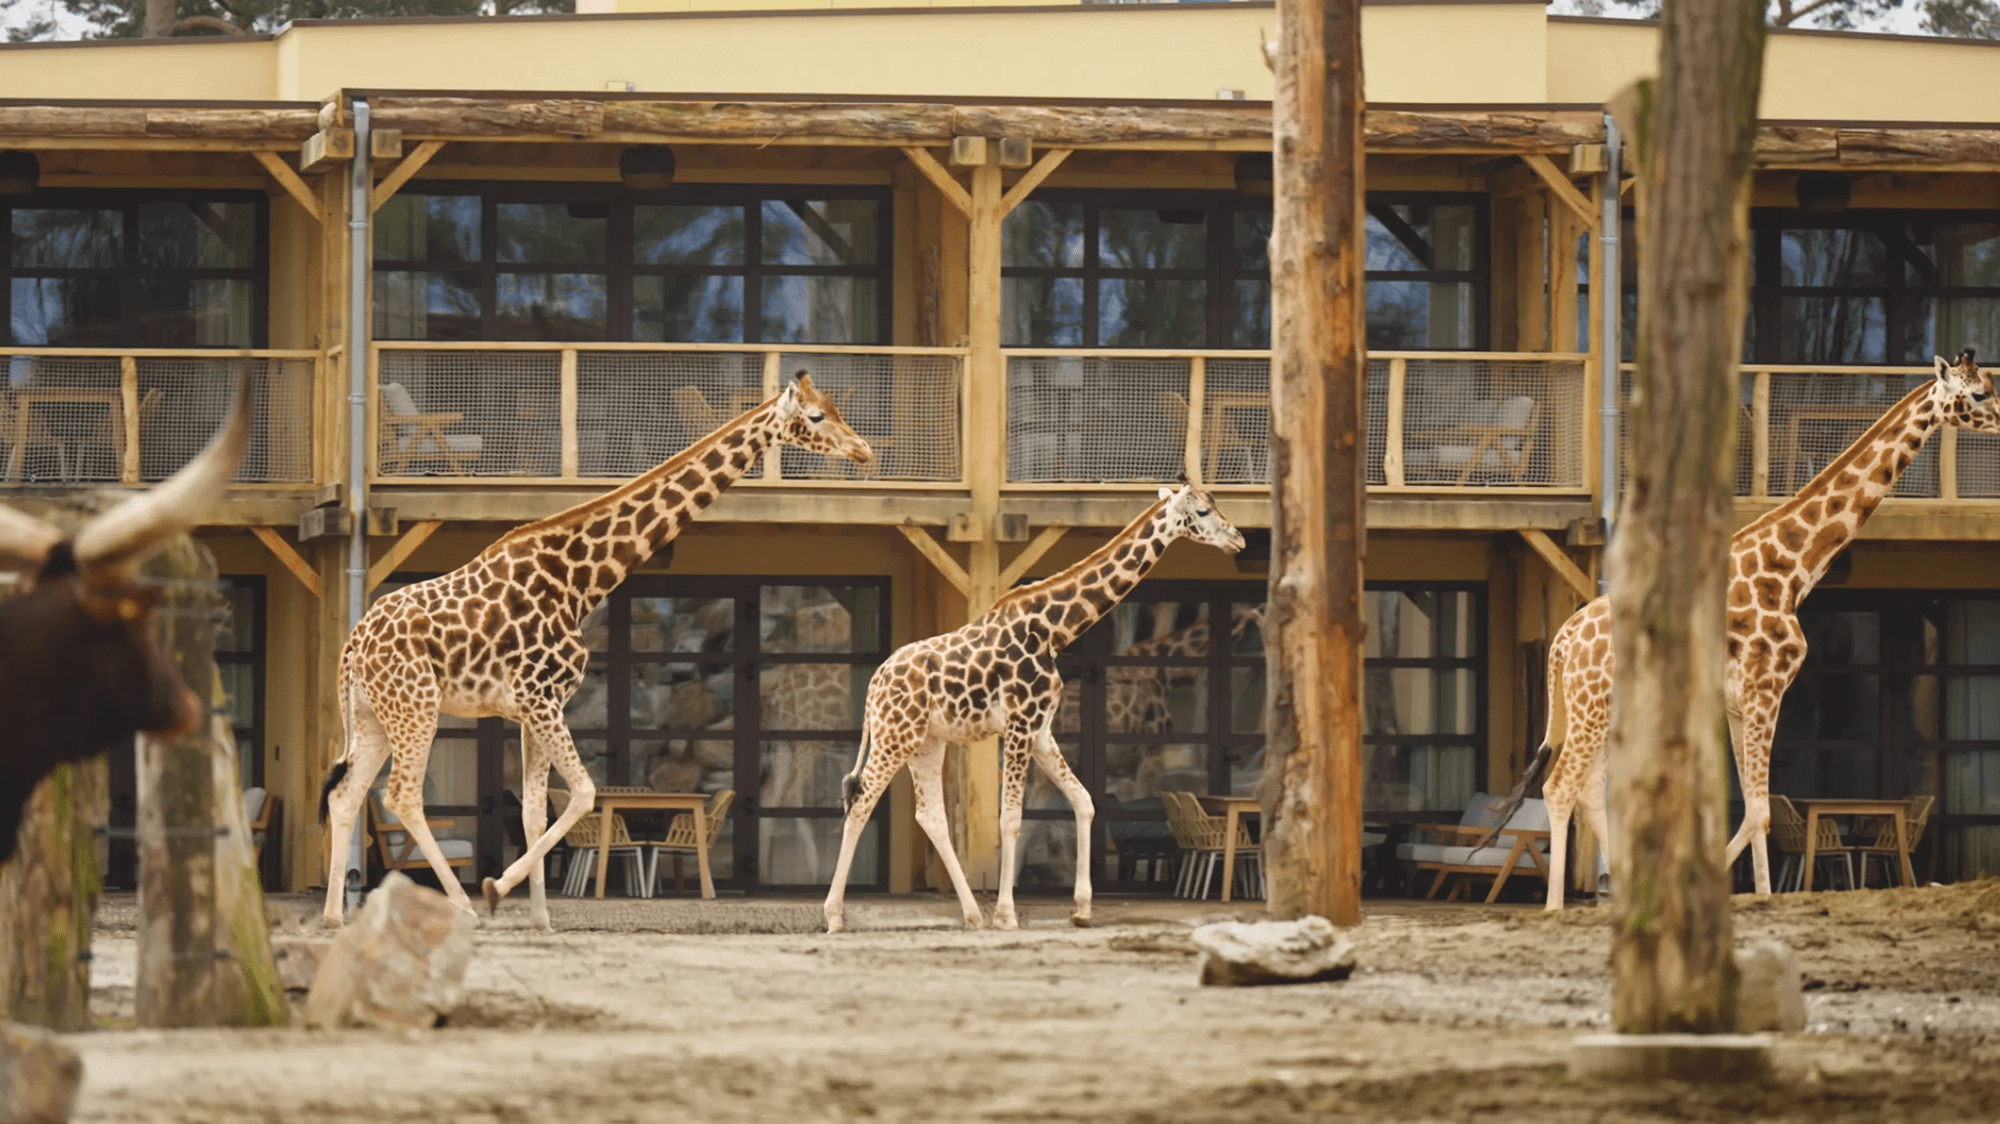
pixel 1815 417
pixel 906 406
pixel 1377 407
pixel 62 418
pixel 1746 433
pixel 1236 426
pixel 1493 422
pixel 1079 419
pixel 637 408
pixel 506 403
pixel 1978 465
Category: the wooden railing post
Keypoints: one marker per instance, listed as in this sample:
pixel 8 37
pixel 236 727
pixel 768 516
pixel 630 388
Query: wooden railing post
pixel 1948 463
pixel 128 393
pixel 572 459
pixel 1760 434
pixel 774 457
pixel 1392 447
pixel 1197 402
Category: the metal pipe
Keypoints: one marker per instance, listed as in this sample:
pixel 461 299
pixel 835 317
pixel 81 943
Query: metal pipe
pixel 1613 308
pixel 361 184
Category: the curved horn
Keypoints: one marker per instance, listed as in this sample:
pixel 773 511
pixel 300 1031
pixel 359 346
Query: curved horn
pixel 24 540
pixel 119 538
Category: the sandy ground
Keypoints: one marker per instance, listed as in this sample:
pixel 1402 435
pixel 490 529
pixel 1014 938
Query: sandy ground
pixel 741 1010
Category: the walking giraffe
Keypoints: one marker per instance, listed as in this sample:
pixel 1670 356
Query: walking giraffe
pixel 1775 562
pixel 499 637
pixel 997 675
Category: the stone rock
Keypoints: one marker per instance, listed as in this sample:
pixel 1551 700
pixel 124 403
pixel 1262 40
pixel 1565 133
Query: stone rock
pixel 1240 954
pixel 400 964
pixel 38 1076
pixel 299 959
pixel 1770 993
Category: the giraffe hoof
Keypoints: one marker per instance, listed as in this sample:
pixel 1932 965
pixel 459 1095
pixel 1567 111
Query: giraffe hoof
pixel 330 923
pixel 1080 920
pixel 492 892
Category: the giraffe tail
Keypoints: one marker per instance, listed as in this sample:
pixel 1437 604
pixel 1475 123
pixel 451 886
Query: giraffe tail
pixel 850 785
pixel 1552 741
pixel 338 771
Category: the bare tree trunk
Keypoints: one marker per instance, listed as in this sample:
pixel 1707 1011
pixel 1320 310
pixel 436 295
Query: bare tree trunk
pixel 159 19
pixel 1692 133
pixel 204 945
pixel 48 901
pixel 1311 790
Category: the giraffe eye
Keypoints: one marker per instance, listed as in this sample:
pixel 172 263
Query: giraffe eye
pixel 1203 512
pixel 815 418
pixel 1981 396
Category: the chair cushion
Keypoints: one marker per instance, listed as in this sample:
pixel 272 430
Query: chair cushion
pixel 450 848
pixel 1532 815
pixel 253 804
pixel 1480 812
pixel 1514 412
pixel 1373 839
pixel 461 443
pixel 1459 856
pixel 398 399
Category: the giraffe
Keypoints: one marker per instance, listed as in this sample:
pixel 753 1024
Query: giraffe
pixel 1774 563
pixel 995 676
pixel 805 696
pixel 499 637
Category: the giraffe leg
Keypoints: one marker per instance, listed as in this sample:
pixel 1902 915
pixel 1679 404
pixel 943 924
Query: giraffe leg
pixel 1559 804
pixel 927 775
pixel 405 798
pixel 1752 734
pixel 552 740
pixel 367 749
pixel 1049 756
pixel 1593 798
pixel 535 821
pixel 1020 743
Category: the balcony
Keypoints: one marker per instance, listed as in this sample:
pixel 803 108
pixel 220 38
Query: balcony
pixel 90 416
pixel 534 414
pixel 1472 424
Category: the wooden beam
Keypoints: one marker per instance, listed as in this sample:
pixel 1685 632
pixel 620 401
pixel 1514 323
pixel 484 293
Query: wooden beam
pixel 1032 179
pixel 394 181
pixel 300 569
pixel 968 152
pixel 401 551
pixel 1560 562
pixel 1559 183
pixel 326 148
pixel 933 171
pixel 945 563
pixel 290 181
pixel 1031 554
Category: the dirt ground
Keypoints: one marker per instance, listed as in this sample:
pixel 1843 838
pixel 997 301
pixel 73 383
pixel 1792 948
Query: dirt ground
pixel 743 1011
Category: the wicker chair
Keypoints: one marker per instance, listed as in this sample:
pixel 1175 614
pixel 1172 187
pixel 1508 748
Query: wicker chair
pixel 1883 849
pixel 680 840
pixel 1788 831
pixel 1200 836
pixel 582 843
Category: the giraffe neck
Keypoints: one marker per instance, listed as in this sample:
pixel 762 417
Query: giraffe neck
pixel 1068 603
pixel 593 546
pixel 1808 531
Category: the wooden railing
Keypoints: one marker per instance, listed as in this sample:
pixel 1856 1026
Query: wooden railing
pixel 1478 422
pixel 538 413
pixel 1793 420
pixel 135 415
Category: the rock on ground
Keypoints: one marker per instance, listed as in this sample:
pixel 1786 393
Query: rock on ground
pixel 399 964
pixel 298 960
pixel 1240 954
pixel 38 1076
pixel 1770 993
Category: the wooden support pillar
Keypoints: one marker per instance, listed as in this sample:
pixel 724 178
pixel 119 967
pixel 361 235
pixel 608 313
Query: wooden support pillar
pixel 986 412
pixel 1311 791
pixel 1693 133
pixel 48 901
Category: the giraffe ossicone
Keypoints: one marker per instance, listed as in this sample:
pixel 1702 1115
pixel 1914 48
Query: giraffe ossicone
pixel 499 637
pixel 1774 562
pixel 997 676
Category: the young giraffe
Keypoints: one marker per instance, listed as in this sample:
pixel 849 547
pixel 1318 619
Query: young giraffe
pixel 997 675
pixel 499 636
pixel 1774 563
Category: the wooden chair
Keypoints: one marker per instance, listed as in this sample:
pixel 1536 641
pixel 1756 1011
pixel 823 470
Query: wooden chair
pixel 257 812
pixel 411 434
pixel 1883 848
pixel 109 433
pixel 1200 836
pixel 1519 846
pixel 399 851
pixel 1219 435
pixel 680 840
pixel 1498 444
pixel 27 430
pixel 1788 831
pixel 582 844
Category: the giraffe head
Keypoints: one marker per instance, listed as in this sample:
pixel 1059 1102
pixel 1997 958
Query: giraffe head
pixel 810 420
pixel 1964 394
pixel 1191 512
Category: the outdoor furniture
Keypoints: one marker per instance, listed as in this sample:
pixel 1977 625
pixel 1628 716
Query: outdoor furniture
pixel 398 849
pixel 109 434
pixel 1232 809
pixel 1887 845
pixel 257 808
pixel 681 841
pixel 1520 846
pixel 411 434
pixel 1805 840
pixel 31 430
pixel 1219 432
pixel 1786 445
pixel 589 850
pixel 1497 442
pixel 611 797
pixel 1203 843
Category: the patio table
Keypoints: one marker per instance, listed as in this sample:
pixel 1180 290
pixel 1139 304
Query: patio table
pixel 1894 809
pixel 609 802
pixel 1232 808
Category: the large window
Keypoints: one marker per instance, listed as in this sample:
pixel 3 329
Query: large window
pixel 126 269
pixel 1170 270
pixel 698 264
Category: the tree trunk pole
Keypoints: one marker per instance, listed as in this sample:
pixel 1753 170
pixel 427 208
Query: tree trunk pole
pixel 1692 134
pixel 48 901
pixel 159 19
pixel 1311 791
pixel 204 945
